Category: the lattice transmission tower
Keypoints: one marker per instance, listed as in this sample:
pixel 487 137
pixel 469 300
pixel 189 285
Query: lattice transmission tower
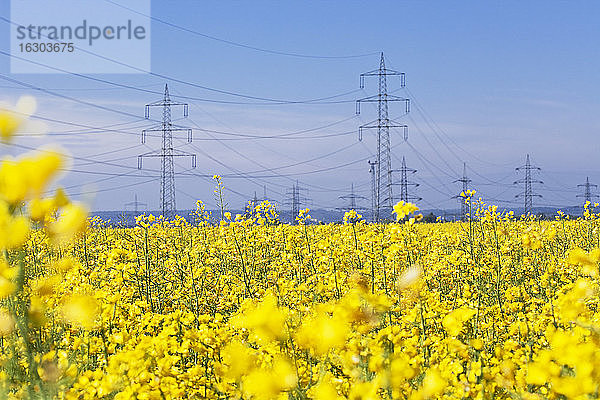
pixel 464 209
pixel 587 192
pixel 384 197
pixel 351 198
pixel 295 199
pixel 267 198
pixel 167 153
pixel 135 204
pixel 528 193
pixel 252 204
pixel 405 183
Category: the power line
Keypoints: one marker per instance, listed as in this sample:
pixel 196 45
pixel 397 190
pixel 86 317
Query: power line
pixel 450 168
pixel 238 44
pixel 435 128
pixel 425 163
pixel 258 99
pixel 78 132
pixel 87 103
pixel 286 135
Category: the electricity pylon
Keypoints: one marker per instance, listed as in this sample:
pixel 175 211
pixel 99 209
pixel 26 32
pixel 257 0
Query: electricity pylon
pixel 384 195
pixel 405 183
pixel 135 203
pixel 465 186
pixel 528 182
pixel 295 200
pixel 587 193
pixel 352 197
pixel 251 204
pixel 167 152
pixel 265 197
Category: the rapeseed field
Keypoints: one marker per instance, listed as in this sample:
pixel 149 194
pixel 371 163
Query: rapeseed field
pixel 495 307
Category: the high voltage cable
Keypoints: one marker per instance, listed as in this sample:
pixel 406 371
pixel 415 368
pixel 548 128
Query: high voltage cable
pixel 266 169
pixel 111 160
pixel 245 176
pixel 319 100
pixel 118 187
pixel 313 186
pixel 281 135
pixel 93 129
pixel 226 187
pixel 490 180
pixel 264 147
pixel 77 131
pixel 435 128
pixel 33 87
pixel 272 169
pixel 78 89
pixel 116 150
pixel 238 175
pixel 411 95
pixel 422 112
pixel 73 132
pixel 547 175
pixel 287 134
pixel 58 121
pixel 112 176
pixel 232 43
pixel 85 158
pixel 425 137
pixel 265 100
pixel 426 160
pixel 423 161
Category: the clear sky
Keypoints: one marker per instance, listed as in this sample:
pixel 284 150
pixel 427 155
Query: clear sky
pixel 489 82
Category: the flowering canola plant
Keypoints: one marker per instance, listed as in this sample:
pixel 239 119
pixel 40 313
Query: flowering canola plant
pixel 249 308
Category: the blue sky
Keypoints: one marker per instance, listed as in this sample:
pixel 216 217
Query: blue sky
pixel 489 81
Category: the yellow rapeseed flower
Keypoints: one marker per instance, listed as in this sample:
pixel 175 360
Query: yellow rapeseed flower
pixel 588 261
pixel 72 220
pixel 266 321
pixel 402 209
pixel 322 333
pixel 453 322
pixel 80 310
pixel 7 323
pixel 13 119
pixel 14 230
pixel 270 383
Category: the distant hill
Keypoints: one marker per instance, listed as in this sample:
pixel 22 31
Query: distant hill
pixel 127 218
